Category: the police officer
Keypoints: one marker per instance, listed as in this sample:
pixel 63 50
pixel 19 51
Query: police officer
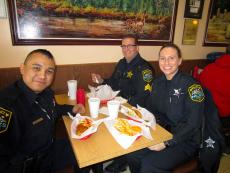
pixel 177 101
pixel 28 113
pixel 133 77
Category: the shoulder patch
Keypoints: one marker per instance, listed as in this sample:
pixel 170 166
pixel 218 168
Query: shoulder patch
pixel 196 93
pixel 5 117
pixel 147 75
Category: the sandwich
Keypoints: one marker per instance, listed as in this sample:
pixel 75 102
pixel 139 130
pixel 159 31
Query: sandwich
pixel 83 126
pixel 134 112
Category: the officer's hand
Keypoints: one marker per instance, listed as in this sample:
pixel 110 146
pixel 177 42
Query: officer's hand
pixel 158 147
pixel 96 78
pixel 79 108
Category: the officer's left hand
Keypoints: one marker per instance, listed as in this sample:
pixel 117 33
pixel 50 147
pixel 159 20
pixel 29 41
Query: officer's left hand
pixel 79 108
pixel 158 147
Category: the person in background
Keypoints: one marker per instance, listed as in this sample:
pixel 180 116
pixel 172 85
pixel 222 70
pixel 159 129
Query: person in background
pixel 216 78
pixel 27 123
pixel 133 77
pixel 177 101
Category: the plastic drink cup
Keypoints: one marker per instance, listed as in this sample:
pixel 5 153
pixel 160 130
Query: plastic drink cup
pixel 72 89
pixel 94 105
pixel 113 108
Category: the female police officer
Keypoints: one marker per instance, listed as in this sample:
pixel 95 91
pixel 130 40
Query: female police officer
pixel 177 101
pixel 28 112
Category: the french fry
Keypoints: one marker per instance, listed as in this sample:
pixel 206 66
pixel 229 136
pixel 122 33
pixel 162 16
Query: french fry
pixel 124 127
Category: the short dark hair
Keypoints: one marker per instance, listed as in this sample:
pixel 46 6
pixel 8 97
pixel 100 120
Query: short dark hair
pixel 174 46
pixel 228 49
pixel 44 52
pixel 131 36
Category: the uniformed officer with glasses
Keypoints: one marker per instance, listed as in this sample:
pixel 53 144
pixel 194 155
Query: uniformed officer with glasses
pixel 133 77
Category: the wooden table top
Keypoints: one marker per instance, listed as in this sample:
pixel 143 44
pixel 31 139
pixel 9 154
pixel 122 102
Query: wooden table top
pixel 101 146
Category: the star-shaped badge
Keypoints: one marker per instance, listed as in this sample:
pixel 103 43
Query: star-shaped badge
pixel 129 74
pixel 209 142
pixel 148 87
pixel 177 92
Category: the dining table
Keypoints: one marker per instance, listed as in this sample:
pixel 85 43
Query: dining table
pixel 101 146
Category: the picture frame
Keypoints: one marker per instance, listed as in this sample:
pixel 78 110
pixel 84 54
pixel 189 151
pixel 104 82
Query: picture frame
pixel 190 31
pixel 194 9
pixel 73 23
pixel 217 32
pixel 3 13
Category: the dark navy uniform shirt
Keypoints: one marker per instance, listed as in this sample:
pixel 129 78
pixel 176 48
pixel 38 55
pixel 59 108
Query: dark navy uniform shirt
pixel 27 122
pixel 132 79
pixel 178 105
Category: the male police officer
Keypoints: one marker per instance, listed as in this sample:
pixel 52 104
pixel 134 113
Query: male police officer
pixel 133 77
pixel 28 112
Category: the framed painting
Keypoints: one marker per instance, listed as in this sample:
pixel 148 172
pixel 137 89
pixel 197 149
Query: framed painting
pixel 218 24
pixel 193 9
pixel 97 22
pixel 190 31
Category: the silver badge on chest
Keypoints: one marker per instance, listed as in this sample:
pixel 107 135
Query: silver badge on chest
pixel 210 142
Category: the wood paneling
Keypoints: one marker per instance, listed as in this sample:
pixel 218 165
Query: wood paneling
pixel 81 72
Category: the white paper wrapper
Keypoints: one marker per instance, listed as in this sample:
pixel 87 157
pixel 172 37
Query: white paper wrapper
pixel 120 99
pixel 124 140
pixel 88 132
pixel 104 92
pixel 147 117
pixel 104 110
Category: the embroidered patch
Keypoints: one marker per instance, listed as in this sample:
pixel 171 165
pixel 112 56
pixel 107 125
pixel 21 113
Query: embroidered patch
pixel 129 74
pixel 148 87
pixel 196 93
pixel 5 116
pixel 147 75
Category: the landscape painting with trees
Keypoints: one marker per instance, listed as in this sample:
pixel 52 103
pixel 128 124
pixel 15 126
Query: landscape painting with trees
pixel 91 21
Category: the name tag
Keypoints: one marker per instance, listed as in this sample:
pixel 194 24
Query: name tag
pixel 37 121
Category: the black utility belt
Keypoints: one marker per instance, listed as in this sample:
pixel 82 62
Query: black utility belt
pixel 32 164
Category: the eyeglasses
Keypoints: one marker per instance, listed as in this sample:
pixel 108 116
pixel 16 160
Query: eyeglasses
pixel 129 46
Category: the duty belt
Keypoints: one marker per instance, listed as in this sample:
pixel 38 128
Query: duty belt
pixel 33 164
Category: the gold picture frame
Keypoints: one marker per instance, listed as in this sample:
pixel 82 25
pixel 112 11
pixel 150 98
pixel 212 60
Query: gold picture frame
pixel 190 31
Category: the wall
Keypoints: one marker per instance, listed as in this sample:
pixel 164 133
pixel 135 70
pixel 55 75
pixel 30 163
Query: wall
pixel 12 56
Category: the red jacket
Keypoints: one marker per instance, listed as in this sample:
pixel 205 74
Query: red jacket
pixel 216 77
